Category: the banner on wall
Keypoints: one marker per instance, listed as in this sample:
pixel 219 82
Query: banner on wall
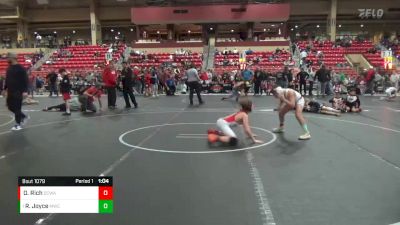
pixel 370 13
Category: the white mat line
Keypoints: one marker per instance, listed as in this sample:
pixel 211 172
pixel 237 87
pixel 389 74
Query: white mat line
pixel 8 154
pixel 259 191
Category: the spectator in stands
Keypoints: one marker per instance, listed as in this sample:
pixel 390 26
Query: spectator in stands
pixel 323 76
pixel 302 77
pixel 235 51
pixel 52 81
pixel 303 54
pixel 249 52
pixel 16 87
pixel 110 83
pixel 193 80
pixel 127 81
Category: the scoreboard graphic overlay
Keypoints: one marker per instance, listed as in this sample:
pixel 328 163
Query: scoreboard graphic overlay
pixel 65 195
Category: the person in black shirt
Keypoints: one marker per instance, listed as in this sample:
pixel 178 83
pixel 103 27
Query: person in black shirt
pixel 16 87
pixel 65 89
pixel 323 76
pixel 289 76
pixel 352 101
pixel 257 81
pixel 281 78
pixel 302 77
pixel 316 107
pixel 127 85
pixel 52 79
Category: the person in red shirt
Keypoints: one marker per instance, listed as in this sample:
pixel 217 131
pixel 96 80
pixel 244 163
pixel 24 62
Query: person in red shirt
pixel 204 76
pixel 110 83
pixel 225 134
pixel 147 83
pixel 369 79
pixel 88 97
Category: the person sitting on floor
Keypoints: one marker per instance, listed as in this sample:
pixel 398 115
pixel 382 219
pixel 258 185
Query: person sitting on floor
pixel 338 102
pixel 316 107
pixel 226 134
pixel 353 101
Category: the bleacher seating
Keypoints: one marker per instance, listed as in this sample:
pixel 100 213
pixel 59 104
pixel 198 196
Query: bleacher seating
pixel 156 59
pixel 334 56
pixel 23 59
pixel 374 59
pixel 265 63
pixel 82 57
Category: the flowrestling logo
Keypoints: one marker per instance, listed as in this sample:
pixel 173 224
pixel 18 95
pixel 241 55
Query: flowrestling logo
pixel 370 13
